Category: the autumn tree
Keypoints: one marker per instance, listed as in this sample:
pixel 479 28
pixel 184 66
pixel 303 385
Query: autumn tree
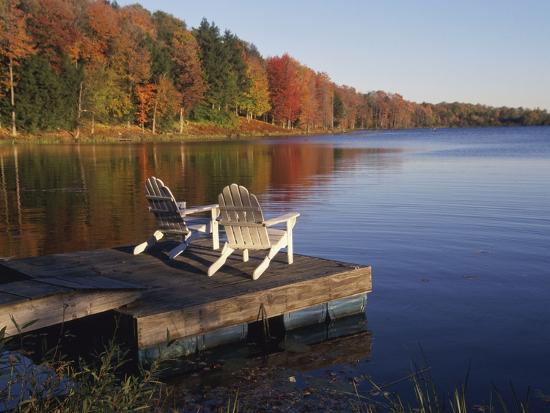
pixel 106 95
pixel 101 27
pixel 255 100
pixel 185 70
pixel 131 56
pixel 165 100
pixel 105 90
pixel 325 94
pixel 350 101
pixel 239 82
pixel 309 106
pixel 338 108
pixel 145 96
pixel 284 89
pixel 55 31
pixel 188 76
pixel 15 44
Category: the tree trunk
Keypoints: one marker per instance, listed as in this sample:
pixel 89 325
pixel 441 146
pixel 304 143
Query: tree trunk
pixel 13 127
pixel 78 112
pixel 154 128
pixel 332 111
pixel 181 121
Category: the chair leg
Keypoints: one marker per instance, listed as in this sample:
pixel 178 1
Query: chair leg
pixel 178 249
pixel 226 252
pixel 214 228
pixel 260 269
pixel 157 235
pixel 245 256
pixel 290 247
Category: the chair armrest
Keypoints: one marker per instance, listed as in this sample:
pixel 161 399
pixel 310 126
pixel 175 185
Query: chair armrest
pixel 281 219
pixel 199 209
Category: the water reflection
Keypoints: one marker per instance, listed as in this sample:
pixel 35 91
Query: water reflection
pixel 306 349
pixel 456 225
pixel 70 197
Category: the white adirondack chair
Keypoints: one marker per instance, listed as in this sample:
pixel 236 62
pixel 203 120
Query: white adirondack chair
pixel 246 229
pixel 173 219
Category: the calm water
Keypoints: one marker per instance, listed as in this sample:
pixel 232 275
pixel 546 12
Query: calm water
pixel 456 224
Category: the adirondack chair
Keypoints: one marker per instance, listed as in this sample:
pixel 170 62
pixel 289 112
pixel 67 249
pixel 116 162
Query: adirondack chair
pixel 173 219
pixel 246 229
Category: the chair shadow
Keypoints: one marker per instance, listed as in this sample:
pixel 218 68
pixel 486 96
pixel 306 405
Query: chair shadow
pixel 189 261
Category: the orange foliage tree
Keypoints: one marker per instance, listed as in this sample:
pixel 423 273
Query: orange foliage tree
pixel 145 96
pixel 309 106
pixel 15 44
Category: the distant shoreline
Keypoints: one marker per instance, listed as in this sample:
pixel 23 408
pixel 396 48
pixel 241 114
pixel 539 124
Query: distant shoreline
pixel 197 132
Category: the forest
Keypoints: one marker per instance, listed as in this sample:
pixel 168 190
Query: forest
pixel 64 63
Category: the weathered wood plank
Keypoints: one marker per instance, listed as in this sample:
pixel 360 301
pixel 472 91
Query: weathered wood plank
pixel 6 299
pixel 172 292
pixel 96 282
pixel 32 289
pixel 56 309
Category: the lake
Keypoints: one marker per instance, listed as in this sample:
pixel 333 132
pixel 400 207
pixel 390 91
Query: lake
pixel 455 222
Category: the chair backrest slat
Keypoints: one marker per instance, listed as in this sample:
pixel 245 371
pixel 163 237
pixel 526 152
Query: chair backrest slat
pixel 164 207
pixel 241 214
pixel 242 217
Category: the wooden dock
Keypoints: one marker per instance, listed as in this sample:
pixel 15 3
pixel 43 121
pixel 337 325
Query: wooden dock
pixel 167 298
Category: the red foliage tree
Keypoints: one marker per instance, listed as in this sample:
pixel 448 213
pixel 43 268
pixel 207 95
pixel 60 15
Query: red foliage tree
pixel 282 73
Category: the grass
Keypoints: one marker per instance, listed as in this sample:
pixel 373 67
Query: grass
pixel 429 399
pixel 86 387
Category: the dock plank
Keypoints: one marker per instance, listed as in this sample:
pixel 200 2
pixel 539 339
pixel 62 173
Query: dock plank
pixel 56 309
pixel 7 299
pixel 32 289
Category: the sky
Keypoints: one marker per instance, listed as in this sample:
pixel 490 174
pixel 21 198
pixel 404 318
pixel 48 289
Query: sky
pixel 477 51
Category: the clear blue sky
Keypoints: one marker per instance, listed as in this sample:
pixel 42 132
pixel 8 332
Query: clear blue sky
pixel 480 51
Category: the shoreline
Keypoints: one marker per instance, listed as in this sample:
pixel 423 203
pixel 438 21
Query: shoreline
pixel 195 132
